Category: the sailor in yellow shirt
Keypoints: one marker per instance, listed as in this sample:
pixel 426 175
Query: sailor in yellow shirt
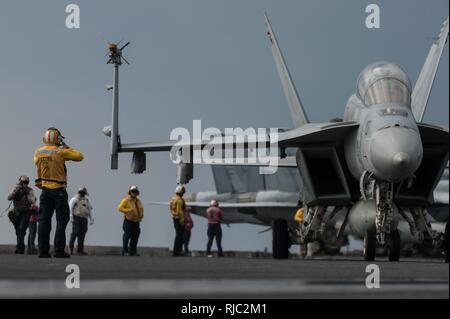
pixel 52 179
pixel 133 210
pixel 177 209
pixel 299 218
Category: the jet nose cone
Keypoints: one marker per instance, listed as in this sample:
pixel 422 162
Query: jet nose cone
pixel 401 160
pixel 395 153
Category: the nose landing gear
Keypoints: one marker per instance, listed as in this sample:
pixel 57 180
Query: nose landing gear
pixel 393 246
pixel 385 211
pixel 382 235
pixel 370 246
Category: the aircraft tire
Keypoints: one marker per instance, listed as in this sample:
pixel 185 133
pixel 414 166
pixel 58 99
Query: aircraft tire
pixel 280 239
pixel 394 246
pixel 370 246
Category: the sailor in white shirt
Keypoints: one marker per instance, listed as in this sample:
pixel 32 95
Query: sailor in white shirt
pixel 80 212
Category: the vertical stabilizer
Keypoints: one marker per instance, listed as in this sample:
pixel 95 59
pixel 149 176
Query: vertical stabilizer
pixel 424 84
pixel 298 113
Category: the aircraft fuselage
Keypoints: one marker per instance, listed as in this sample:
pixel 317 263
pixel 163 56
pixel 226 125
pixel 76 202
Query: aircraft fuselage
pixel 387 142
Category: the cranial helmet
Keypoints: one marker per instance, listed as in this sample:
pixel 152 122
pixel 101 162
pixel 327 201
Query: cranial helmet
pixel 180 189
pixel 214 203
pixel 134 189
pixel 53 136
pixel 24 179
pixel 83 190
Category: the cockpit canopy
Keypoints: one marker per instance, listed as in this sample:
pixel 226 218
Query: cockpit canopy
pixel 384 82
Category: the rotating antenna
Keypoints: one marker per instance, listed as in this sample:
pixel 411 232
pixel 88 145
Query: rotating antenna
pixel 115 58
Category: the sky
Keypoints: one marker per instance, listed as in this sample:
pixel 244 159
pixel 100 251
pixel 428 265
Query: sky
pixel 190 59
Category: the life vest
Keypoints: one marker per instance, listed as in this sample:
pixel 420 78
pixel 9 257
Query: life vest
pixel 300 215
pixel 214 215
pixel 23 199
pixel 51 168
pixel 132 209
pixel 177 207
pixel 82 208
pixel 188 224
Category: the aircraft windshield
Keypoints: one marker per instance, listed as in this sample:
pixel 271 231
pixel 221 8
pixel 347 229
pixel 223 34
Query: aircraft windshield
pixel 387 90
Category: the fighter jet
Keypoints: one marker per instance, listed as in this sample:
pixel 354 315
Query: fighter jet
pixel 377 161
pixel 248 197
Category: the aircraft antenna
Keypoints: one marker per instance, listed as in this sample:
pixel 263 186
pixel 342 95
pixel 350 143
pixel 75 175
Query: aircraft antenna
pixel 115 58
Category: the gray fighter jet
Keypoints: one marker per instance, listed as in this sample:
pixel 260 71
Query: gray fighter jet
pixel 248 197
pixel 375 162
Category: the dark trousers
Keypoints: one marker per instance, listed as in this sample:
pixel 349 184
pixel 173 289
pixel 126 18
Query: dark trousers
pixel 20 225
pixel 79 230
pixel 214 231
pixel 52 200
pixel 178 243
pixel 131 232
pixel 186 240
pixel 32 236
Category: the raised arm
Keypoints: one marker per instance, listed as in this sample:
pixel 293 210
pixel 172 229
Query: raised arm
pixel 71 154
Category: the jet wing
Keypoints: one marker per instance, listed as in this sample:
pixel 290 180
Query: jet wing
pixel 232 205
pixel 316 133
pixel 147 147
pixel 194 143
pixel 307 134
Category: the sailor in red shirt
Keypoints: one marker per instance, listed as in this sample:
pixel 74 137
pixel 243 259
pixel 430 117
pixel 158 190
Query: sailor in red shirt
pixel 215 215
pixel 32 227
pixel 188 225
